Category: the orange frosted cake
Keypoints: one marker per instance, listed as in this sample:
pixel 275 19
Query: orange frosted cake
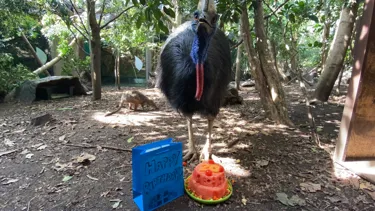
pixel 208 181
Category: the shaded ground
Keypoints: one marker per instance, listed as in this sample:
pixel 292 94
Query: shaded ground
pixel 266 161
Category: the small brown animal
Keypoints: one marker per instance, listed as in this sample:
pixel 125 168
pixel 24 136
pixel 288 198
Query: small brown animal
pixel 134 99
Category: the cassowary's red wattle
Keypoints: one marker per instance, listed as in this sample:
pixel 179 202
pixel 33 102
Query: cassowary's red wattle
pixel 200 81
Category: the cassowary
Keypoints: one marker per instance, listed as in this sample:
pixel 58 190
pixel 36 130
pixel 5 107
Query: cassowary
pixel 194 71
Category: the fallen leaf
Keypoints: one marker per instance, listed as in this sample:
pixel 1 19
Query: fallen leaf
pixel 319 129
pixel 296 200
pixel 93 178
pixel 310 187
pixel 334 199
pixel 364 185
pixel 354 181
pixel 293 201
pixel 8 142
pixel 67 178
pixel 371 194
pixel 265 133
pixel 61 138
pixel 130 139
pixel 60 166
pixel 10 181
pixel 116 204
pixel 238 161
pixel 19 131
pixel 65 109
pixel 37 145
pixel 85 157
pixel 28 156
pixel 42 147
pixel 252 132
pixel 244 201
pixel 104 194
pixel 262 163
pixel 24 152
pixel 283 198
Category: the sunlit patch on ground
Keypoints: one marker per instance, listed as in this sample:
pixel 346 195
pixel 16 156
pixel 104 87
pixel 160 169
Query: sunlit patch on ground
pixel 130 118
pixel 232 166
pixel 345 171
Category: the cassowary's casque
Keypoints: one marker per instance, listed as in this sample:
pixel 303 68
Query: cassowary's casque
pixel 194 70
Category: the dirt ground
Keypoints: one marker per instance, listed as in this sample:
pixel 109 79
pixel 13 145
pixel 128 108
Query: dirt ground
pixel 71 164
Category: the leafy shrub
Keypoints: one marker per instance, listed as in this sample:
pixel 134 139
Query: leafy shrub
pixel 74 64
pixel 11 74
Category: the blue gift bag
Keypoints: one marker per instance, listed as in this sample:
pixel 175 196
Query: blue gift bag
pixel 157 174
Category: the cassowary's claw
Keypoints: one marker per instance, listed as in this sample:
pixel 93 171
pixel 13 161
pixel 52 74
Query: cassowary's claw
pixel 190 156
pixel 205 154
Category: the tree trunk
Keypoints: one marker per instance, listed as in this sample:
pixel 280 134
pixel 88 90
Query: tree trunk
pixel 293 55
pixel 272 49
pixel 95 51
pixel 148 63
pixel 238 61
pixel 325 32
pixel 117 70
pixel 238 67
pixel 263 70
pixel 340 79
pixel 253 60
pixel 178 16
pixel 337 52
pixel 278 109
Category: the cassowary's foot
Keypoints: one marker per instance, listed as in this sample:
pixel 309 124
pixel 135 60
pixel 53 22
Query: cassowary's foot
pixel 206 153
pixel 191 156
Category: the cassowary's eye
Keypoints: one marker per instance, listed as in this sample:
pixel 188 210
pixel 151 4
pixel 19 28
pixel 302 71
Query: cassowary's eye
pixel 196 15
pixel 214 19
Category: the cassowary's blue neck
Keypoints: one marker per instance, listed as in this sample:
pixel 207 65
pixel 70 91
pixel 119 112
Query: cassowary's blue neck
pixel 199 54
pixel 199 49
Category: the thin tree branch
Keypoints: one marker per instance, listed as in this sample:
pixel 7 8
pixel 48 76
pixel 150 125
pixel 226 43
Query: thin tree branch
pixel 76 27
pixel 117 16
pixel 8 152
pixel 88 146
pixel 237 44
pixel 75 9
pixel 273 13
pixel 269 7
pixel 168 18
pixel 102 12
pixel 76 38
pixel 310 115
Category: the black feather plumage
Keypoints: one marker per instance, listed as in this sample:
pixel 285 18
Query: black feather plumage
pixel 177 73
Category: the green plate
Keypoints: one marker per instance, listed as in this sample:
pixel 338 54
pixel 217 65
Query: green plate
pixel 211 201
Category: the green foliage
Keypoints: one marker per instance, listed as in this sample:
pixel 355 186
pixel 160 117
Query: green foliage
pixel 18 16
pixel 76 65
pixel 12 75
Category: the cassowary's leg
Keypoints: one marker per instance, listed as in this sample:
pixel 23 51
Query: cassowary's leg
pixel 206 151
pixel 192 150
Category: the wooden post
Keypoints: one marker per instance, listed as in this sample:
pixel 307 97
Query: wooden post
pixel 356 140
pixel 148 63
